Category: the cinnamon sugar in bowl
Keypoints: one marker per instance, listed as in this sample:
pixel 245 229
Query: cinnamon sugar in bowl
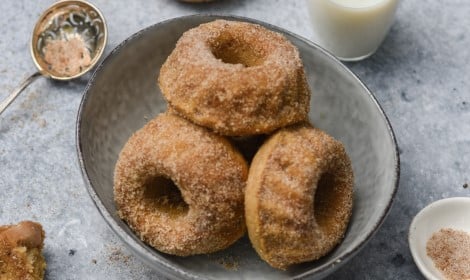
pixel 439 237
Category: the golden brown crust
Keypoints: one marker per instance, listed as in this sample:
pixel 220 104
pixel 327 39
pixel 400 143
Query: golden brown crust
pixel 236 78
pixel 20 251
pixel 298 199
pixel 209 174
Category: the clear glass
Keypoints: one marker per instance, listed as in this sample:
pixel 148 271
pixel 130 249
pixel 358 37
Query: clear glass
pixel 351 29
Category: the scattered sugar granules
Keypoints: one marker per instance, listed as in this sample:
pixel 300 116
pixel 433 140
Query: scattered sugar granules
pixel 450 251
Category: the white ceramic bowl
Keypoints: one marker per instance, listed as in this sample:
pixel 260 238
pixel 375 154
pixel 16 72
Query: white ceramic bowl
pixel 445 213
pixel 123 95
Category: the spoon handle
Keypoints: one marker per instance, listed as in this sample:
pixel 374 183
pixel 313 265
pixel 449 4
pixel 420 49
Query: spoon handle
pixel 7 101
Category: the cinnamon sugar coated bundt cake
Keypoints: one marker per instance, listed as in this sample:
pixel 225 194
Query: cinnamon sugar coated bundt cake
pixel 298 197
pixel 236 78
pixel 181 187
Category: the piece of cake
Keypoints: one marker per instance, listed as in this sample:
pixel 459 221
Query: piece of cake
pixel 21 251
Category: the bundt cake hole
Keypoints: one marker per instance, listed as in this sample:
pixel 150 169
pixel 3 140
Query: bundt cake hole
pixel 165 196
pixel 326 201
pixel 232 51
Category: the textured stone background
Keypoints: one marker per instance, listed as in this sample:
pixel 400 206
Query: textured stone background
pixel 420 76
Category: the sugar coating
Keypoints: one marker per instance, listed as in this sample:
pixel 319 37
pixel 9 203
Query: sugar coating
pixel 289 221
pixel 209 173
pixel 236 78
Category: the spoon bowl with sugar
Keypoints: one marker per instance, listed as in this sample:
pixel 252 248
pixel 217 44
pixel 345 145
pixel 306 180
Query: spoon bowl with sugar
pixel 68 40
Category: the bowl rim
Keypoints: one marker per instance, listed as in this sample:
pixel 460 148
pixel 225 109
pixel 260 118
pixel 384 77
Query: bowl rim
pixel 163 263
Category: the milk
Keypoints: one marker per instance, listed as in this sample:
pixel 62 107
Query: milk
pixel 351 29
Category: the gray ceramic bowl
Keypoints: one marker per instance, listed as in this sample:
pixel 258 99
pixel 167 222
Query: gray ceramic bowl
pixel 123 95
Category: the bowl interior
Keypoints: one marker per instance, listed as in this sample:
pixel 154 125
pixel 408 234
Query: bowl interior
pixel 123 95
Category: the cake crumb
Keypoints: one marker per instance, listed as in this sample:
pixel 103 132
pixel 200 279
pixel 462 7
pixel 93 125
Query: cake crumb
pixel 42 123
pixel 116 255
pixel 229 262
pixel 450 251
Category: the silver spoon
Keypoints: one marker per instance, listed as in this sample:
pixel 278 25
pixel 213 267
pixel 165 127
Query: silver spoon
pixel 68 40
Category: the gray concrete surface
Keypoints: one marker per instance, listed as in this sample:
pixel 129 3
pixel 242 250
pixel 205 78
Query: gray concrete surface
pixel 420 75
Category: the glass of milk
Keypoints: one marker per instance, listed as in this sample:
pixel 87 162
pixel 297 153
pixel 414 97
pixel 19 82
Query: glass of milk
pixel 351 29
